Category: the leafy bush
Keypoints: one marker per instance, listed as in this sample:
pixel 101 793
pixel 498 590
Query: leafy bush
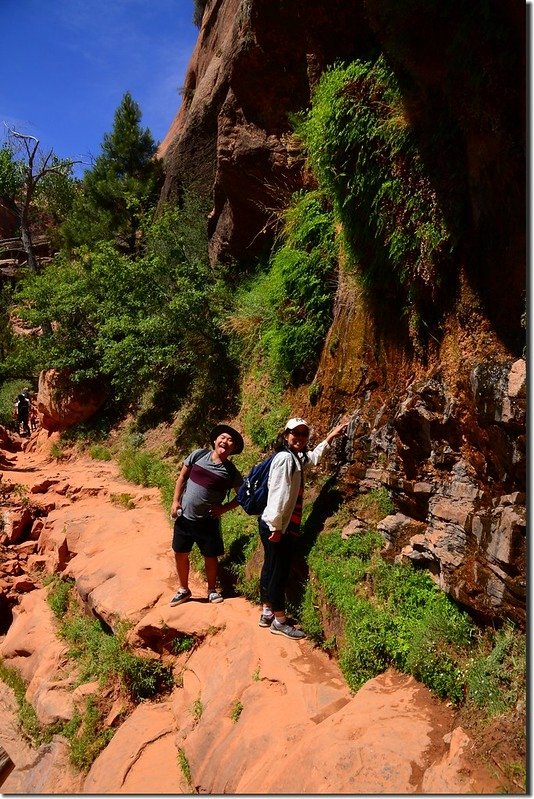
pixel 133 322
pixel 99 452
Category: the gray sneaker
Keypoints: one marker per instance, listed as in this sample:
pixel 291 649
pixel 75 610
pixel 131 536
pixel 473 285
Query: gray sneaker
pixel 182 595
pixel 266 621
pixel 214 596
pixel 286 629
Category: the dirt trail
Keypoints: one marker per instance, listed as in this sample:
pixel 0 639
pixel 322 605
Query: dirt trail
pixel 251 713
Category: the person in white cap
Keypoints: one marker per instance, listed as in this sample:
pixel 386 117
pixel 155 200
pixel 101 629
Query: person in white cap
pixel 279 523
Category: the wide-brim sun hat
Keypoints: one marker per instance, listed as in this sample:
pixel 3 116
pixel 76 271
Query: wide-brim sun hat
pixel 296 421
pixel 225 428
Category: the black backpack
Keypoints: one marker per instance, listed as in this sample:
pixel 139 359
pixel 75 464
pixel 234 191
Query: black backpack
pixel 253 492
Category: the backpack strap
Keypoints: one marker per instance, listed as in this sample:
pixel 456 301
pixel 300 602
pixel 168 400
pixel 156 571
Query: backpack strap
pixel 293 460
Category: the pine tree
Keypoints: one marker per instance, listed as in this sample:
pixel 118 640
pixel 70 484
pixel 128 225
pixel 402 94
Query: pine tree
pixel 120 189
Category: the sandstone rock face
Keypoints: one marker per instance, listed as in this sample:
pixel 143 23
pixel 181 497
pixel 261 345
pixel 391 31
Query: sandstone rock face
pixel 9 224
pixel 45 770
pixel 31 647
pixel 16 522
pixel 254 63
pixel 451 451
pixel 62 403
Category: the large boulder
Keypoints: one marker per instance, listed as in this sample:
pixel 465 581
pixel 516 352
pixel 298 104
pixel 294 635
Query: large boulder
pixel 62 403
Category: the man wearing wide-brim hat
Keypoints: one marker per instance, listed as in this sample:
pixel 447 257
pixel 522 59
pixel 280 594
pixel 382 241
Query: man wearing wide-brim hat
pixel 198 503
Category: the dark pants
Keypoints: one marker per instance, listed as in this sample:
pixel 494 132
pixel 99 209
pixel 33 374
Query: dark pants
pixel 276 566
pixel 23 419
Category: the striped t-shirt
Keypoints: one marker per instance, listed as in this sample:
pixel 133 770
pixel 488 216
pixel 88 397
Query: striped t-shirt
pixel 207 484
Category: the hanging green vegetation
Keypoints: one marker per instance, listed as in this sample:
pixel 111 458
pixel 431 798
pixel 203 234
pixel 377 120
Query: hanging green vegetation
pixel 287 310
pixel 366 159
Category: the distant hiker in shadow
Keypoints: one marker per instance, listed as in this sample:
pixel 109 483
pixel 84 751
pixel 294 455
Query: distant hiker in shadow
pixel 22 412
pixel 205 479
pixel 279 524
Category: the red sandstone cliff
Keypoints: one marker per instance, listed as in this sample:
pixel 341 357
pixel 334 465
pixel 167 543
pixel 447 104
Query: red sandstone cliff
pixel 444 431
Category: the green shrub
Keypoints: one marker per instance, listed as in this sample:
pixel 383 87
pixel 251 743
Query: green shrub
pixel 197 709
pixel 240 535
pixel 183 643
pixel 496 678
pixel 264 413
pixel 237 709
pixel 99 452
pixel 376 504
pixel 145 468
pixel 105 657
pixel 87 736
pixel 57 451
pixel 185 767
pixel 144 677
pixel 390 615
pixel 58 596
pixel 124 500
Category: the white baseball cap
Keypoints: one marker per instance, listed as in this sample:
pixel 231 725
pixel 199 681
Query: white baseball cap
pixel 296 421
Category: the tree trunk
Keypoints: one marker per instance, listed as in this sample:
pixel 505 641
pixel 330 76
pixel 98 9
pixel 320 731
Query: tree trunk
pixel 28 246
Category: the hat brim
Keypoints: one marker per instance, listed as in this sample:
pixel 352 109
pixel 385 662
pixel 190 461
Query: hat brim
pixel 237 437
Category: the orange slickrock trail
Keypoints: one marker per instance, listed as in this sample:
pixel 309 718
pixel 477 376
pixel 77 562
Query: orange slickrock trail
pixel 251 712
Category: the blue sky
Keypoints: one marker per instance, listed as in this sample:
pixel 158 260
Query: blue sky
pixel 66 65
